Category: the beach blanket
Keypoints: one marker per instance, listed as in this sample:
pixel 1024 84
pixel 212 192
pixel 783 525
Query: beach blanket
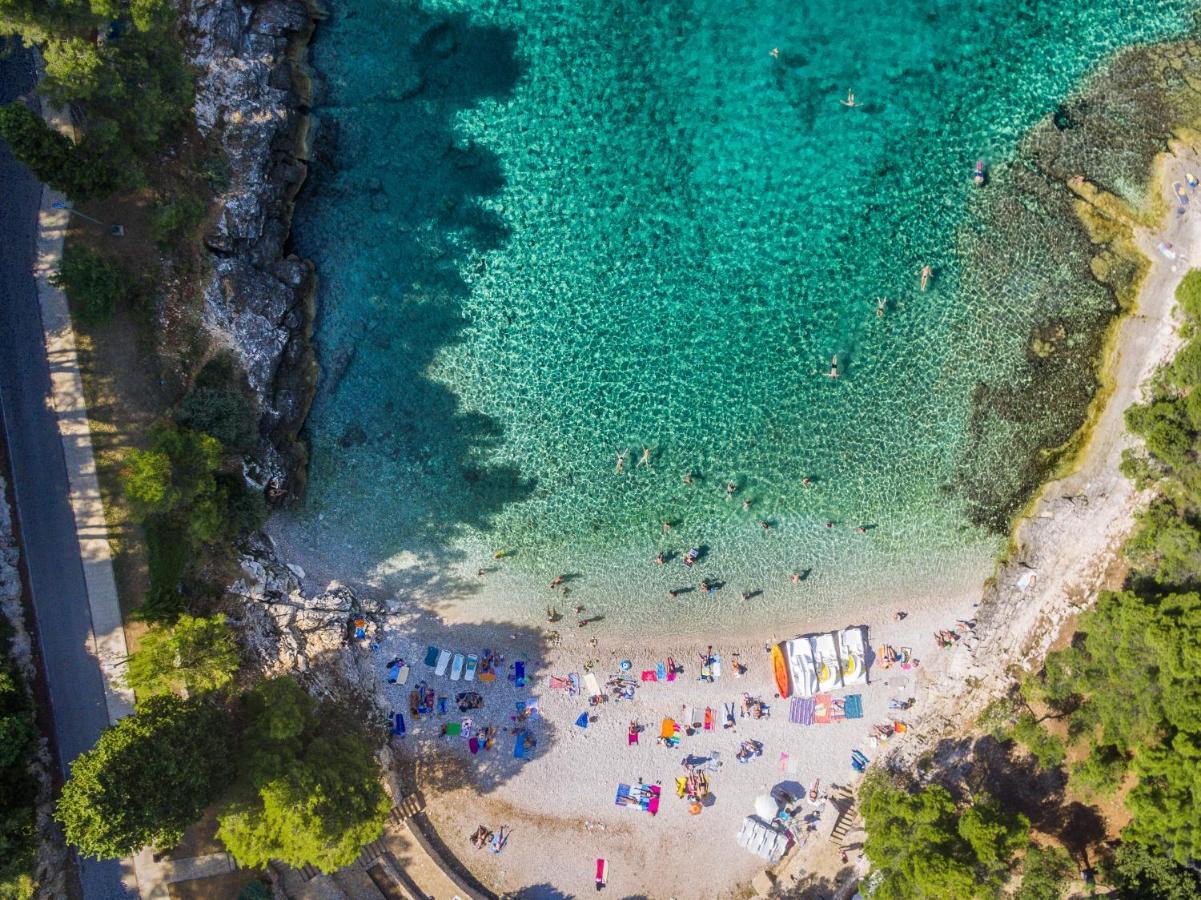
pixel 394 670
pixel 823 709
pixel 559 684
pixel 623 796
pixel 651 799
pixel 853 706
pixel 602 872
pixel 671 669
pixel 632 737
pixel 574 678
pixel 398 724
pixel 802 710
pixel 474 745
pixel 660 672
pixel 592 686
pixel 431 656
pixel 519 748
pixel 715 666
pixel 519 673
pixel 648 675
pixel 708 719
pixel 668 729
pixel 454 729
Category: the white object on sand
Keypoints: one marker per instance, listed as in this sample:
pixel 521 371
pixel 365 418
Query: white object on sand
pixel 443 662
pixel 591 685
pixel 766 807
pixel 853 656
pixel 829 671
pixel 802 667
pixel 456 668
pixel 715 665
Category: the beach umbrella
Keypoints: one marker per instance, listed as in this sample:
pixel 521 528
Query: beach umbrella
pixel 582 721
pixel 766 807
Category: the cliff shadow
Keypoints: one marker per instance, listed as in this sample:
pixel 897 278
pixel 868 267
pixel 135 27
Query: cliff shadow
pixel 399 215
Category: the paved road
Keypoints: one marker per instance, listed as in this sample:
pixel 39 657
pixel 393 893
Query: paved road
pixel 51 547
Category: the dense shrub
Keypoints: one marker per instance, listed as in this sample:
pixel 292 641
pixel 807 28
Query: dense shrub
pixel 1045 874
pixel 18 789
pixel 94 284
pixel 190 657
pixel 174 219
pixel 81 172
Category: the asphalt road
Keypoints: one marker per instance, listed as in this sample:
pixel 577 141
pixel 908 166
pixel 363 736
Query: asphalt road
pixel 51 548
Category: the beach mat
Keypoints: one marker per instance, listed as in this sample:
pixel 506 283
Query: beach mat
pixel 668 729
pixel 398 725
pixel 660 671
pixel 431 656
pixel 519 750
pixel 853 706
pixel 802 710
pixel 648 675
pixel 823 713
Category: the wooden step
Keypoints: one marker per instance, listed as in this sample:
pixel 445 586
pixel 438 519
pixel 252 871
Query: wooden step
pixel 407 808
pixel 372 852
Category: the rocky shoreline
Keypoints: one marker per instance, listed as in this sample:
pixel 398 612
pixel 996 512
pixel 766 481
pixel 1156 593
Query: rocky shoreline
pixel 253 95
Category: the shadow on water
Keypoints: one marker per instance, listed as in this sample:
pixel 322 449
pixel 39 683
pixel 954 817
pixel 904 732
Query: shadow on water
pixel 424 196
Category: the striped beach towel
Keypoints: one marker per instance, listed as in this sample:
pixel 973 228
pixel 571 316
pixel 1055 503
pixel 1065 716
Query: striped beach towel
pixel 801 710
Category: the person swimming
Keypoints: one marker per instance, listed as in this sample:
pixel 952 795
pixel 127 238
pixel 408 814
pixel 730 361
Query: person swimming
pixel 881 306
pixel 746 504
pixel 834 366
pixel 659 559
pixel 731 487
pixel 686 478
pixel 850 100
pixel 926 273
pixel 621 461
pixel 775 53
pixel 795 577
pixel 645 459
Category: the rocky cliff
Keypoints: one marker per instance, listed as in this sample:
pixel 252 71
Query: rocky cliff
pixel 252 97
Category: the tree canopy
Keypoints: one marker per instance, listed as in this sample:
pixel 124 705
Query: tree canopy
pixel 923 845
pixel 148 778
pixel 309 792
pixel 191 657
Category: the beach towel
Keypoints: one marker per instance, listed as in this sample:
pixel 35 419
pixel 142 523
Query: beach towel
pixel 691 718
pixel 681 786
pixel 715 666
pixel 559 684
pixel 853 706
pixel 456 667
pixel 519 673
pixel 472 662
pixel 474 746
pixel 394 671
pixel 652 805
pixel 574 678
pixel 398 724
pixel 454 729
pixel 823 709
pixel 431 656
pixel 519 749
pixel 582 720
pixel 660 672
pixel 668 729
pixel 708 719
pixel 648 675
pixel 602 872
pixel 623 796
pixel 802 710
pixel 783 763
pixel 671 669
pixel 591 685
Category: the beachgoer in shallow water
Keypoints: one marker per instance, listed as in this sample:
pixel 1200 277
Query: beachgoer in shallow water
pixel 707 586
pixel 850 100
pixel 764 524
pixel 746 504
pixel 645 458
pixel 558 580
pixel 745 596
pixel 834 366
pixel 860 530
pixel 829 524
pixel 666 526
pixel 807 481
pixel 775 52
pixel 659 560
pixel 926 273
pixel 578 610
pixel 621 461
pixel 731 487
pixel 881 304
pixel 673 593
pixel 687 478
pixel 795 577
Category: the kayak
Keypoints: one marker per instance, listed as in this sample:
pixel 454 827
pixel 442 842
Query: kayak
pixel 779 664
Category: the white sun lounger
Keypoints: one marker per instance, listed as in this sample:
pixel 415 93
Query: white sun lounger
pixel 456 668
pixel 443 662
pixel 826 656
pixel 802 667
pixel 854 658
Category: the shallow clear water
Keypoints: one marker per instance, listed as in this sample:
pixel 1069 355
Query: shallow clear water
pixel 549 232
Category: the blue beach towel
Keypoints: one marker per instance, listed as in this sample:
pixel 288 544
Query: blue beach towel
pixel 661 671
pixel 853 706
pixel 393 672
pixel 519 747
pixel 431 656
pixel 582 720
pixel 519 673
pixel 398 725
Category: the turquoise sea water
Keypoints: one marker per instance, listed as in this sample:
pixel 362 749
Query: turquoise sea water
pixel 549 232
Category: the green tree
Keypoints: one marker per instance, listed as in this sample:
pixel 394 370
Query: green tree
pixel 310 792
pixel 176 475
pixel 921 845
pixel 1140 873
pixel 78 171
pixel 224 413
pixel 18 790
pixel 148 778
pixel 1101 771
pixel 94 284
pixel 1045 874
pixel 190 657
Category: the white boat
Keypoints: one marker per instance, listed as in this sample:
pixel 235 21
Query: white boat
pixel 829 671
pixel 801 666
pixel 852 651
pixel 456 668
pixel 443 662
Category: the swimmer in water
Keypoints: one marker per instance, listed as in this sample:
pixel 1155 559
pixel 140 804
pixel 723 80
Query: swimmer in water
pixel 731 487
pixel 666 526
pixel 775 52
pixel 881 306
pixel 645 459
pixel 621 461
pixel 795 577
pixel 558 580
pixel 850 100
pixel 764 524
pixel 659 559
pixel 834 366
pixel 745 596
pixel 926 273
pixel 807 481
pixel 746 504
pixel 686 478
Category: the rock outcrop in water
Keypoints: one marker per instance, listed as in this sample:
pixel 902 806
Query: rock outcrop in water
pixel 252 95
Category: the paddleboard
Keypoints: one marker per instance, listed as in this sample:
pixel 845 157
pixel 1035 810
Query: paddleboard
pixel 779 664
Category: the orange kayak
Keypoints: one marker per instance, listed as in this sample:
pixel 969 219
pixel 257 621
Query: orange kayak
pixel 779 664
